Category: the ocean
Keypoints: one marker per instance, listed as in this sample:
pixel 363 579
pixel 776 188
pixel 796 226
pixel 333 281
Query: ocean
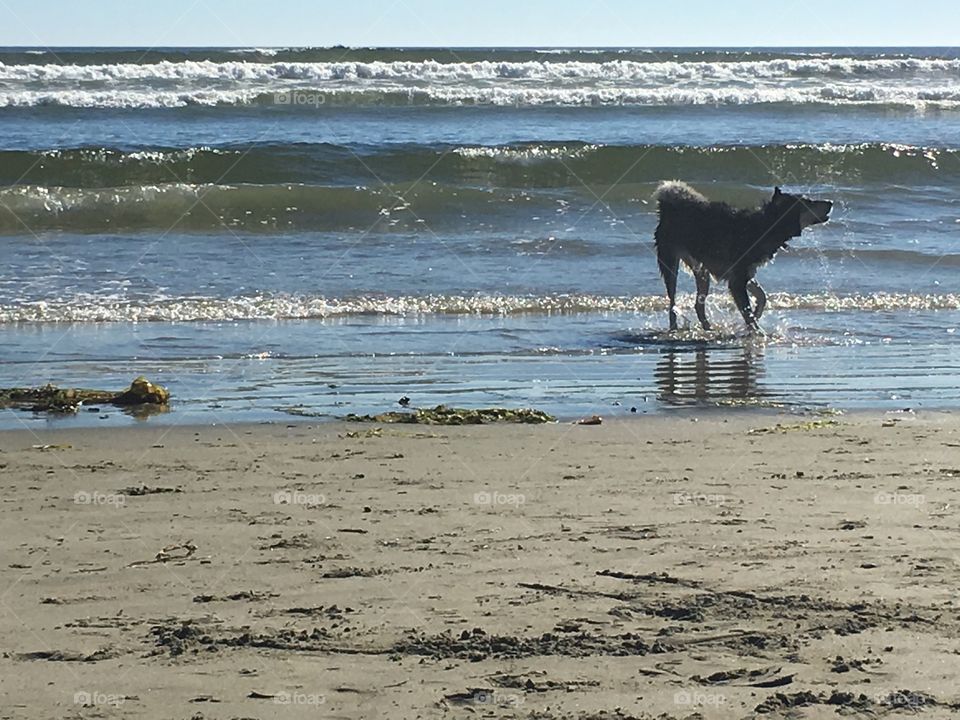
pixel 290 232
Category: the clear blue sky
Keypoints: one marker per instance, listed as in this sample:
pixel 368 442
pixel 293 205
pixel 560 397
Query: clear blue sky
pixel 479 22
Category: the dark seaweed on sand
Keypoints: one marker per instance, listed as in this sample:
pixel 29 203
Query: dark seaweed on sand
pixel 443 415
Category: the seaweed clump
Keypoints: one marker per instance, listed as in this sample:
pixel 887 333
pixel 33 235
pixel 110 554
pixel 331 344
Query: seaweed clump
pixel 51 398
pixel 443 415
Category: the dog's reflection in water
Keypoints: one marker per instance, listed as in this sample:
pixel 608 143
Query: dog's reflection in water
pixel 704 376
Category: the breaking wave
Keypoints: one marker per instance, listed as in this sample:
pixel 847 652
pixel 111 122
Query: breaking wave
pixel 589 80
pixel 308 98
pixel 466 72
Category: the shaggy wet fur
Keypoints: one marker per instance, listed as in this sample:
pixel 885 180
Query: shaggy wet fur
pixel 730 244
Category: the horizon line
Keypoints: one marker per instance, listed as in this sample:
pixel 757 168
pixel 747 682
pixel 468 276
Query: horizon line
pixel 470 47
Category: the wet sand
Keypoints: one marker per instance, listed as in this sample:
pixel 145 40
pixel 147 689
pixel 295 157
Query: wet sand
pixel 732 565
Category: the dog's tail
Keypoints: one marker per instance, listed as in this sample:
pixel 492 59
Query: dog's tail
pixel 675 192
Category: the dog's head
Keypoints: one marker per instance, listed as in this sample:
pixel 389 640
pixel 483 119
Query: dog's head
pixel 800 210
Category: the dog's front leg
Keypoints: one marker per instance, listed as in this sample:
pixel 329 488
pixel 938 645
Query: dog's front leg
pixel 738 289
pixel 669 266
pixel 703 288
pixel 759 295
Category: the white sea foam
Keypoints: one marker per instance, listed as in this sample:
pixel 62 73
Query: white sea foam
pixel 432 70
pixel 262 307
pixel 946 96
pixel 119 99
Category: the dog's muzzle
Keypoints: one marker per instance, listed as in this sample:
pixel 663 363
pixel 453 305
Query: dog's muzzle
pixel 817 212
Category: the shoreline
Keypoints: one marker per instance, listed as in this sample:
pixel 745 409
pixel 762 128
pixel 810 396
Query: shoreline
pixel 644 405
pixel 645 369
pixel 123 420
pixel 736 565
pixel 169 419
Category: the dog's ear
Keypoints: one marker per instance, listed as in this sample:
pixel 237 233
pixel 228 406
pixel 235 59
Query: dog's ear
pixel 776 192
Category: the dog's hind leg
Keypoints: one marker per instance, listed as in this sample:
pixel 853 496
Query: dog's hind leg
pixel 703 287
pixel 669 265
pixel 738 288
pixel 759 295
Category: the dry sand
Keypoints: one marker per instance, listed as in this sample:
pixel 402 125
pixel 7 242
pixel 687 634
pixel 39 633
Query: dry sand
pixel 662 567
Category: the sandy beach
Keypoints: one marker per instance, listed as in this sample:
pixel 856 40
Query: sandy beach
pixel 731 565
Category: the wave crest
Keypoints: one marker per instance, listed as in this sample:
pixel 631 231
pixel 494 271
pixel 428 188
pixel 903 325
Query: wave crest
pixel 436 71
pixel 526 165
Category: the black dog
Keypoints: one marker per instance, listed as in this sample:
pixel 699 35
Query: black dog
pixel 712 238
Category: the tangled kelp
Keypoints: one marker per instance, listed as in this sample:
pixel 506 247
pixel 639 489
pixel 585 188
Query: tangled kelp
pixel 51 398
pixel 443 415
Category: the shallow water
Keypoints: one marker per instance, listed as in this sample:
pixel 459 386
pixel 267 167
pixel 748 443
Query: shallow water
pixel 333 228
